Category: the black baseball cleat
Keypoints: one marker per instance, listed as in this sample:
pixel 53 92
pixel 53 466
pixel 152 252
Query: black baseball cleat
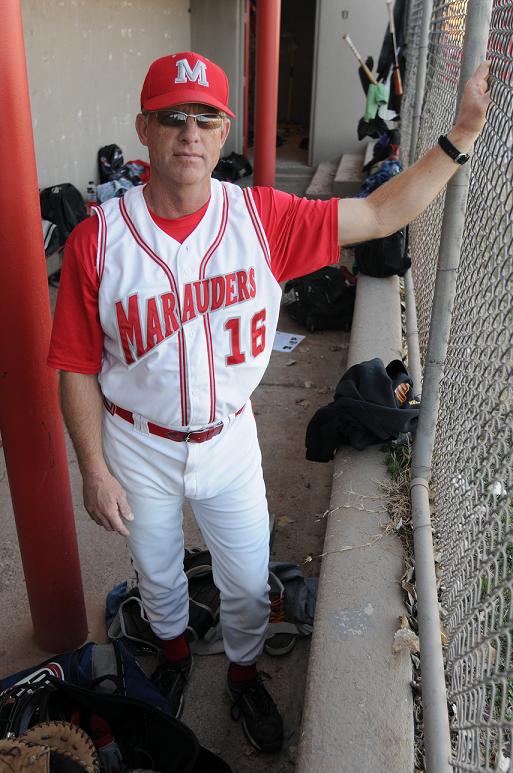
pixel 170 679
pixel 261 720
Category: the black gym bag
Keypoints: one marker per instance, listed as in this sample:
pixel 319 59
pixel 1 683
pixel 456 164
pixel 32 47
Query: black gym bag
pixel 384 257
pixel 320 301
pixel 64 206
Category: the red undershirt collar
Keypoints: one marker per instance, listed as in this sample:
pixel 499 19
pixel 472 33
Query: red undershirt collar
pixel 179 228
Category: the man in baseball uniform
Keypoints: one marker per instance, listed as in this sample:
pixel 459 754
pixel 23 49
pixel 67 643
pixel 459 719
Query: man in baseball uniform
pixel 166 315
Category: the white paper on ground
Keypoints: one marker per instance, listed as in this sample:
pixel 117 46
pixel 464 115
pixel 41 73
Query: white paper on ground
pixel 285 342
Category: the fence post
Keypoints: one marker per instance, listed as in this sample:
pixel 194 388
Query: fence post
pixel 412 331
pixel 412 334
pixel 436 725
pixel 420 83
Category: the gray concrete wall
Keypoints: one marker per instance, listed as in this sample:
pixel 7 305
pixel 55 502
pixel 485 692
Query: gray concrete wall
pixel 86 63
pixel 338 99
pixel 217 31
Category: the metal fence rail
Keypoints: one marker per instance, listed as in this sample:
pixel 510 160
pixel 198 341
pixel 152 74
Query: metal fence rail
pixel 472 466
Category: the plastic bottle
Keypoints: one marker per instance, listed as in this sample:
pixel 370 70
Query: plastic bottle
pixel 91 196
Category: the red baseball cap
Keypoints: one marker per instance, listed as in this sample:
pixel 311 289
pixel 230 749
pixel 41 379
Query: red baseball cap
pixel 185 77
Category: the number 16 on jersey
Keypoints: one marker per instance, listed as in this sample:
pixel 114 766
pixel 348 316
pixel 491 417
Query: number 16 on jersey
pixel 257 327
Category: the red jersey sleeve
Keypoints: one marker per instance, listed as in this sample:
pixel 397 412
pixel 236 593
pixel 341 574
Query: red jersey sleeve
pixel 302 233
pixel 77 337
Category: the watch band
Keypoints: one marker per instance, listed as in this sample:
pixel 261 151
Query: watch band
pixel 456 155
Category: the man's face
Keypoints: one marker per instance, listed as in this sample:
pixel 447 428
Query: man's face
pixel 183 155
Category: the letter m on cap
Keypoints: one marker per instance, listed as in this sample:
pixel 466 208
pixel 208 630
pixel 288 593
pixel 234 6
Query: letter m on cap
pixel 198 73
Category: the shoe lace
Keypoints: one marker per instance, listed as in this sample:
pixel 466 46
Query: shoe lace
pixel 277 608
pixel 256 694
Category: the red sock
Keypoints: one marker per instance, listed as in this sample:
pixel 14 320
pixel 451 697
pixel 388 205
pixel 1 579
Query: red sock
pixel 238 673
pixel 176 649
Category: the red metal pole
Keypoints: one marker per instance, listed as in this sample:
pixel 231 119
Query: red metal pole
pixel 30 420
pixel 266 92
pixel 247 44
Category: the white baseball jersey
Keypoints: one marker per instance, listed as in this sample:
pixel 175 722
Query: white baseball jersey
pixel 189 326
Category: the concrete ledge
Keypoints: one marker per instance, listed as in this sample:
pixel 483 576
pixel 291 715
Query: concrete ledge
pixel 358 705
pixel 349 175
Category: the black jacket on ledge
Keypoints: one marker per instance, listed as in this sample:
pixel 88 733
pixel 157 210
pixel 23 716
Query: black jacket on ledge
pixel 366 410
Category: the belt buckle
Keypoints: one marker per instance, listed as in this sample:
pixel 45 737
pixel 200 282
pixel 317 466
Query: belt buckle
pixel 187 437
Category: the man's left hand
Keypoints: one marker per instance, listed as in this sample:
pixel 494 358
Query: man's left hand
pixel 474 104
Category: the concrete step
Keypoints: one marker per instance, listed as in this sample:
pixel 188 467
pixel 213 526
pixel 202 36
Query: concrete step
pixel 321 184
pixel 349 175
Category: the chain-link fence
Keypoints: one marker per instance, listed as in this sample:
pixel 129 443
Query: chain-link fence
pixel 443 69
pixel 413 44
pixel 472 471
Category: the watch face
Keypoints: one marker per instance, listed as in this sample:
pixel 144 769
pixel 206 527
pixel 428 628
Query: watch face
pixel 462 158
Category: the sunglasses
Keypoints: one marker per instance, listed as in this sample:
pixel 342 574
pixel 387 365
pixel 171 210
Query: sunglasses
pixel 178 120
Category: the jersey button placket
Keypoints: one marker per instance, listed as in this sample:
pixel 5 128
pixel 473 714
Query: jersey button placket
pixel 183 275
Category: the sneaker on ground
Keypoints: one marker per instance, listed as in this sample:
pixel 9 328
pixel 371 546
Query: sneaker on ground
pixel 261 719
pixel 170 679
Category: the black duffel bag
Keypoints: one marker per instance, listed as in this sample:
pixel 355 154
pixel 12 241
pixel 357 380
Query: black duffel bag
pixel 231 168
pixel 64 206
pixel 384 257
pixel 320 301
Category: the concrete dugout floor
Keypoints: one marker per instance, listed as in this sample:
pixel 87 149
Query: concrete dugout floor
pixel 298 492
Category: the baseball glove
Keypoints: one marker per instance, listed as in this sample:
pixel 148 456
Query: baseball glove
pixel 18 756
pixel 71 749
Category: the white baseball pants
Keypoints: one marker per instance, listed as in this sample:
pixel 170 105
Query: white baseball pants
pixel 223 481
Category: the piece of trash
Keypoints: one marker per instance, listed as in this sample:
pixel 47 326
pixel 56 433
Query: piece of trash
pixel 290 362
pixel 405 638
pixel 497 488
pixel 444 638
pixel 335 348
pixel 503 763
pixel 303 403
pixel 308 559
pixel 308 384
pixel 285 342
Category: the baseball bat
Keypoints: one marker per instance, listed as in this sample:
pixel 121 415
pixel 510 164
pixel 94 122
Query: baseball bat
pixel 398 85
pixel 355 51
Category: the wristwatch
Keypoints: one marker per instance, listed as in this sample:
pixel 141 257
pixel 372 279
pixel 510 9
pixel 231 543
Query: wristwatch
pixel 452 152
